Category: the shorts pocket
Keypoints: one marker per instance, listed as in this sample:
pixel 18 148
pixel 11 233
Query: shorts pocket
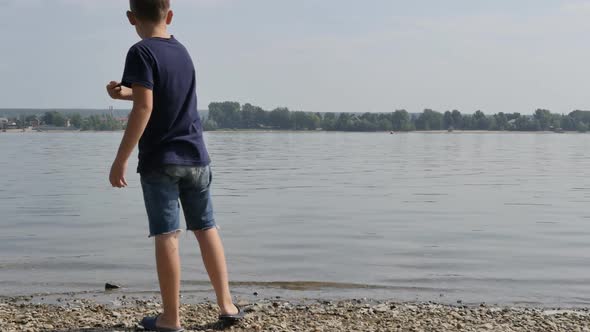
pixel 156 176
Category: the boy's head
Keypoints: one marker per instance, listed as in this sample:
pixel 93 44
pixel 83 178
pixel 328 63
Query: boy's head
pixel 149 12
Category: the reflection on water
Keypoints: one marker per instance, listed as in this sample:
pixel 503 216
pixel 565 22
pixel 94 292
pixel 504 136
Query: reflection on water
pixel 486 217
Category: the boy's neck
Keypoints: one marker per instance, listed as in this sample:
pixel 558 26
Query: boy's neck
pixel 151 31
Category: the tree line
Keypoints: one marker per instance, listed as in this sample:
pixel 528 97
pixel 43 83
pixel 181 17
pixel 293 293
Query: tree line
pixel 105 122
pixel 232 115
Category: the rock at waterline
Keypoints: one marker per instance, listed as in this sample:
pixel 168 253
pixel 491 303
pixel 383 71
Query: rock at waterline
pixel 109 286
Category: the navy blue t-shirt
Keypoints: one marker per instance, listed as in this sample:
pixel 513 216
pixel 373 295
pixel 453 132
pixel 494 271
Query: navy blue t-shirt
pixel 174 134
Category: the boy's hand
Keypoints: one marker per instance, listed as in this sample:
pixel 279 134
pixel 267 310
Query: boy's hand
pixel 114 89
pixel 117 176
pixel 117 91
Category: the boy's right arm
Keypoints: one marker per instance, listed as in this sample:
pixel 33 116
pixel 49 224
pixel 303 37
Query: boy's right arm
pixel 138 120
pixel 117 91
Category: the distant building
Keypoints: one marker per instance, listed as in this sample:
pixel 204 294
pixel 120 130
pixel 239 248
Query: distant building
pixel 122 120
pixel 34 122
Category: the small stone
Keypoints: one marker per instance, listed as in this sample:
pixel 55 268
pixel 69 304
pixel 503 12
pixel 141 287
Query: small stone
pixel 381 308
pixel 253 308
pixel 109 286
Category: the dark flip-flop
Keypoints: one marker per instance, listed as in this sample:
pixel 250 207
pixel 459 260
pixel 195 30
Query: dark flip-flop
pixel 149 324
pixel 233 318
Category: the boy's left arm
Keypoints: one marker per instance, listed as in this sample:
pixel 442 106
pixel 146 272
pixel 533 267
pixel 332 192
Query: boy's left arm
pixel 138 120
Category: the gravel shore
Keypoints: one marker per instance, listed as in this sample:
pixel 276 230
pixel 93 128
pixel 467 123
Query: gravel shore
pixel 277 315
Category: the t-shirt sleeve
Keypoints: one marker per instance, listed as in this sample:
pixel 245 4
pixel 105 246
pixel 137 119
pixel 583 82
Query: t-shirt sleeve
pixel 138 69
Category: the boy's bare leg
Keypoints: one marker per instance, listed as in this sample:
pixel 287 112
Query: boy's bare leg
pixel 168 266
pixel 214 260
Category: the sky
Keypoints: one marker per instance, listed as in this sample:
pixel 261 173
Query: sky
pixel 314 55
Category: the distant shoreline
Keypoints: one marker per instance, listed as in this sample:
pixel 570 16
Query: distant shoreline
pixel 61 131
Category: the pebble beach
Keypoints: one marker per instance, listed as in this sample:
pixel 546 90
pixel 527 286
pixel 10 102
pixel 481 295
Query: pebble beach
pixel 277 315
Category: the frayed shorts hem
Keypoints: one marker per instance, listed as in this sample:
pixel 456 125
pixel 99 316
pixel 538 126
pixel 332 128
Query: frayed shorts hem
pixel 165 233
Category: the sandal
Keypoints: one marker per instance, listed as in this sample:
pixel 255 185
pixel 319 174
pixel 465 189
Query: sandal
pixel 232 318
pixel 149 324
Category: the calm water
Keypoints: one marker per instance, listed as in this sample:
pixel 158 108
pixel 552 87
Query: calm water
pixel 501 218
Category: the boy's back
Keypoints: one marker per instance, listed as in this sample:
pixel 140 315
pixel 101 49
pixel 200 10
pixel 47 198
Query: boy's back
pixel 173 135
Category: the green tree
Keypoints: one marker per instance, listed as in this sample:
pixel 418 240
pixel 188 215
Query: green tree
pixel 247 119
pixel 209 125
pixel 101 123
pixel 252 117
pixel 313 121
pixel 457 119
pixel 512 116
pixel 544 117
pixel 280 118
pixel 298 120
pixel 59 120
pixel 480 121
pixel 55 118
pixel 401 120
pixel 467 121
pixel 448 121
pixel 429 120
pixel 556 121
pixel 501 121
pixel 492 123
pixel 48 117
pixel 524 123
pixel 344 122
pixel 568 123
pixel 225 114
pixel 329 121
pixel 580 116
pixel 110 123
pixel 76 120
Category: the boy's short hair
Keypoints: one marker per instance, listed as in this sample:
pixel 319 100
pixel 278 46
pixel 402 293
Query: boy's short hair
pixel 150 10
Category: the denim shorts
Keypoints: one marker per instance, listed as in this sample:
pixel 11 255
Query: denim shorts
pixel 166 188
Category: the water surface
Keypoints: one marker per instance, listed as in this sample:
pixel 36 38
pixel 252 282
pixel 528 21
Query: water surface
pixel 494 217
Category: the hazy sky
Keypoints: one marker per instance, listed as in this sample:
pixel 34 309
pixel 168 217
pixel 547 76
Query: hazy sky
pixel 314 55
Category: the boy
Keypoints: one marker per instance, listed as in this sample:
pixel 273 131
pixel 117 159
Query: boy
pixel 159 78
